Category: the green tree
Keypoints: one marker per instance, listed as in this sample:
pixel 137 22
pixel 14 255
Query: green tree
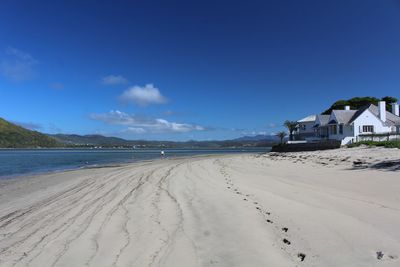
pixel 281 136
pixel 389 100
pixel 291 126
pixel 359 102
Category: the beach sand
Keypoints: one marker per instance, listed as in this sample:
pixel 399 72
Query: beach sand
pixel 294 209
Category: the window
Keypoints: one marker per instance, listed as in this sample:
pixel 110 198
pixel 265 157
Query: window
pixel 341 129
pixel 333 129
pixel 368 128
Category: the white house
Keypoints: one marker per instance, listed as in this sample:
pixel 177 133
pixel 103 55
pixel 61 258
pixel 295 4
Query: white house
pixel 305 128
pixel 350 125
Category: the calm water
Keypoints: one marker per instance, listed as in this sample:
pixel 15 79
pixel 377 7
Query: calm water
pixel 16 162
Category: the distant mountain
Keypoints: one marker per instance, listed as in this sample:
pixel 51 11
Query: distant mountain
pixel 14 136
pixel 92 140
pixel 260 137
pixel 103 141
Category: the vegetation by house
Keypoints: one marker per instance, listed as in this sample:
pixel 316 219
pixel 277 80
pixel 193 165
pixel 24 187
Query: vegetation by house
pixel 387 144
pixel 358 102
pixel 291 126
pixel 281 136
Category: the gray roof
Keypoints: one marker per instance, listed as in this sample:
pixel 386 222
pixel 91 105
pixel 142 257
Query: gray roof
pixel 323 119
pixel 391 119
pixel 310 118
pixel 344 116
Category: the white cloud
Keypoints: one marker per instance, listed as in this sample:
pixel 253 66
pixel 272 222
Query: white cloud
pixel 114 80
pixel 143 96
pixel 17 65
pixel 140 124
pixel 135 130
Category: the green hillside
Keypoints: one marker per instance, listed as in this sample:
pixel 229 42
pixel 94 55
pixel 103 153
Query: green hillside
pixel 14 136
pixel 94 140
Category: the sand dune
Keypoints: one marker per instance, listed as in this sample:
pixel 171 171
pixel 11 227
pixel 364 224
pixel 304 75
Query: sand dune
pixel 241 210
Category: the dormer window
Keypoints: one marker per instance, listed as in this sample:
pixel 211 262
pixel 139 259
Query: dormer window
pixel 368 129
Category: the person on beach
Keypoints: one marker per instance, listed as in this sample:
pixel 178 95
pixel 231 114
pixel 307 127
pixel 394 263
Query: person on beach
pixel 162 154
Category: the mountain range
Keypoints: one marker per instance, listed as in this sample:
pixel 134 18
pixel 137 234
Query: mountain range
pixel 14 136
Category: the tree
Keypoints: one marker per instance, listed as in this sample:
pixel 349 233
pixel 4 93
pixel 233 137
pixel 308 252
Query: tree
pixel 389 100
pixel 359 102
pixel 281 136
pixel 291 126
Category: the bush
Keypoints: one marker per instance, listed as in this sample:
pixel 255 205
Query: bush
pixel 387 144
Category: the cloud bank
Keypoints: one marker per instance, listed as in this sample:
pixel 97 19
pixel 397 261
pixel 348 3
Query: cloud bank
pixel 114 80
pixel 17 65
pixel 143 96
pixel 140 124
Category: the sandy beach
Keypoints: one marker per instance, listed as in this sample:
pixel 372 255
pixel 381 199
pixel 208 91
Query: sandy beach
pixel 328 208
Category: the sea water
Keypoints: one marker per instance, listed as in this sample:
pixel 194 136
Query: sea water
pixel 17 162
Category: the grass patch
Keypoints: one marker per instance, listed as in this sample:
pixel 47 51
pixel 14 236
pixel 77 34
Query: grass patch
pixel 387 144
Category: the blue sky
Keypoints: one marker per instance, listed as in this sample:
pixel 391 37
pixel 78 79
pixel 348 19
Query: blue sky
pixel 179 70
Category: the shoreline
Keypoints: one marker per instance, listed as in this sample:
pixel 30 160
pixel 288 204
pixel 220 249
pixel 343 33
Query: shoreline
pixel 58 169
pixel 33 175
pixel 290 209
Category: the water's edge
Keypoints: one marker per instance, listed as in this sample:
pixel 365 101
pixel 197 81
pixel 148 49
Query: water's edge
pixel 19 163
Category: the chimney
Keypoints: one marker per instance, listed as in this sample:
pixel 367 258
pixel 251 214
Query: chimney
pixel 395 109
pixel 346 107
pixel 382 110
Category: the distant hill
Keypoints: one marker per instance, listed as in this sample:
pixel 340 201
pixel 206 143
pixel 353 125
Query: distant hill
pixel 14 136
pixel 103 141
pixel 260 137
pixel 94 139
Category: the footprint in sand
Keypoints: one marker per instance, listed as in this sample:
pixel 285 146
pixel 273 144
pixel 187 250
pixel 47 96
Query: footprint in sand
pixel 381 256
pixel 285 229
pixel 301 256
pixel 287 242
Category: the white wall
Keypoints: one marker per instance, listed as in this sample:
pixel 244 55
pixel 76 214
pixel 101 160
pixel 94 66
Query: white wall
pixel 367 118
pixel 308 127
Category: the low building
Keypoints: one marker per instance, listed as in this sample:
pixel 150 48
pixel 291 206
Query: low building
pixel 305 128
pixel 350 126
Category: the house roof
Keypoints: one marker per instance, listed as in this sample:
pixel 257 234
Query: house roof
pixel 358 113
pixel 310 118
pixel 323 120
pixel 391 119
pixel 343 116
pixel 349 116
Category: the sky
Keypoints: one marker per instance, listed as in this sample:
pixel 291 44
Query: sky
pixel 181 70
